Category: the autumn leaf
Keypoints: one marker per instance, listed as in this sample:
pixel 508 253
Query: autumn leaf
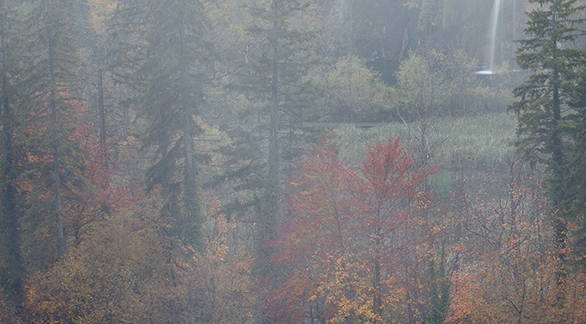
pixel 351 236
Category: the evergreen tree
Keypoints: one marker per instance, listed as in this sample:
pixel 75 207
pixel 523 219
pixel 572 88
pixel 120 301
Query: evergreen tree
pixel 53 163
pixel 542 108
pixel 169 66
pixel 11 268
pixel 575 195
pixel 440 292
pixel 275 78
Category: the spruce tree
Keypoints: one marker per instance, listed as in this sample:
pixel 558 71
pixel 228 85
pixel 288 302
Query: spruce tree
pixel 552 29
pixel 53 166
pixel 275 77
pixel 542 107
pixel 169 66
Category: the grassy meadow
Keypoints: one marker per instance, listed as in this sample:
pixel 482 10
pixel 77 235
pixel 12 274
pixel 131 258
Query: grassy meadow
pixel 471 145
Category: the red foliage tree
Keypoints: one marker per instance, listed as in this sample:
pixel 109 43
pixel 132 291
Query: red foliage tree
pixel 101 196
pixel 88 190
pixel 353 237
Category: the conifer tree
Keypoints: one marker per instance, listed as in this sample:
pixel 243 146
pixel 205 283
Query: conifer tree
pixel 542 107
pixel 440 292
pixel 54 161
pixel 575 195
pixel 552 30
pixel 275 78
pixel 168 65
pixel 11 269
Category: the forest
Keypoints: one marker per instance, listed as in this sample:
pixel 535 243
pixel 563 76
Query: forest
pixel 292 161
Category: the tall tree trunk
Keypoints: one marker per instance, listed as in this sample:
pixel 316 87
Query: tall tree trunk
pixel 102 111
pixel 272 206
pixel 274 157
pixel 376 286
pixel 192 203
pixel 54 127
pixel 558 171
pixel 12 270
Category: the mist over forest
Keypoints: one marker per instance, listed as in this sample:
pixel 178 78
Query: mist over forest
pixel 293 161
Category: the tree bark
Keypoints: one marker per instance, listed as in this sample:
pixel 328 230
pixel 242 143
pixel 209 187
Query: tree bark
pixel 54 126
pixel 12 269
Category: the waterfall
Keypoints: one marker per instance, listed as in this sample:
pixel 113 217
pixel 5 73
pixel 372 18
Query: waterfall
pixel 492 29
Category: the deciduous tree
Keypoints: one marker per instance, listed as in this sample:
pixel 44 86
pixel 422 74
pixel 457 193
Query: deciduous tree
pixel 356 92
pixel 508 265
pixel 355 239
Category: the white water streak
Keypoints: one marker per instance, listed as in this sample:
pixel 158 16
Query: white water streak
pixel 494 17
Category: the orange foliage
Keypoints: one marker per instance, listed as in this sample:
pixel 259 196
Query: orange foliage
pixel 88 190
pixel 353 238
pixel 119 272
pixel 223 276
pixel 508 265
pixel 101 197
pixel 129 270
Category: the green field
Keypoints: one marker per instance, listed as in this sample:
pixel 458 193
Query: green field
pixel 473 145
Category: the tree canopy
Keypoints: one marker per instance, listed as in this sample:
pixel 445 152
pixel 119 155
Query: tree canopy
pixel 292 161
